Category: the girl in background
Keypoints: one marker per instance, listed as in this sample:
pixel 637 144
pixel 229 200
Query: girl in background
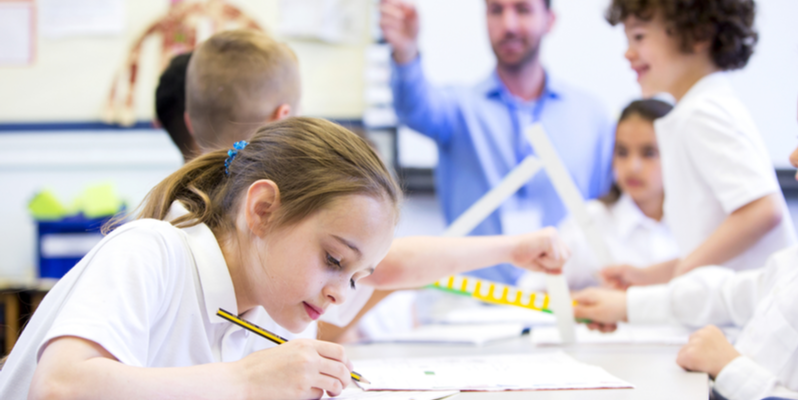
pixel 630 216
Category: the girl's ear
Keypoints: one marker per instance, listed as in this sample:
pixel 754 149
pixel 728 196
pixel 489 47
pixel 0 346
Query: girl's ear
pixel 261 205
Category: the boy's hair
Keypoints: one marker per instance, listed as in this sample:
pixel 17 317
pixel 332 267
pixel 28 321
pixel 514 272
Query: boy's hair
pixel 726 24
pixel 649 110
pixel 312 161
pixel 235 82
pixel 171 104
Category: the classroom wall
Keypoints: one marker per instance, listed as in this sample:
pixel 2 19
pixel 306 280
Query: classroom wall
pixel 66 163
pixel 331 74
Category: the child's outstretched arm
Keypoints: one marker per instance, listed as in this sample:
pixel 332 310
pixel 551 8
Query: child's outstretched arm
pixel 417 261
pixel 711 295
pixel 737 233
pixel 74 368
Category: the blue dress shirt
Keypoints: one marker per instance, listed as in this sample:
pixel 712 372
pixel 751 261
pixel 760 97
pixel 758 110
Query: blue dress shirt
pixel 478 132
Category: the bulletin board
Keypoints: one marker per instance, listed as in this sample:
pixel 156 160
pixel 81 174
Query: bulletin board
pixel 73 66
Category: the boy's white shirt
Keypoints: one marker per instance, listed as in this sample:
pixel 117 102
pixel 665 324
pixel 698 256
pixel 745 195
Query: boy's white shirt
pixel 714 161
pixel 148 293
pixel 632 238
pixel 762 301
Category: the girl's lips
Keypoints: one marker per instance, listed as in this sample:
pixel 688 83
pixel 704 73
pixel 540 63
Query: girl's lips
pixel 313 312
pixel 634 182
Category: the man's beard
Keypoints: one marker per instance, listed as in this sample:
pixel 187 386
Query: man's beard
pixel 530 56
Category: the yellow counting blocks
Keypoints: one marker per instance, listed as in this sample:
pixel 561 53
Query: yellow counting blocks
pixel 493 292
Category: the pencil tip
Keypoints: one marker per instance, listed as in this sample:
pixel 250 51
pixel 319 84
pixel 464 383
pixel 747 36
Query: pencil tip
pixel 364 381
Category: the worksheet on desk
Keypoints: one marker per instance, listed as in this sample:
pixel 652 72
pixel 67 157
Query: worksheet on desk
pixel 625 334
pixel 541 371
pixel 648 334
pixel 456 334
pixel 352 393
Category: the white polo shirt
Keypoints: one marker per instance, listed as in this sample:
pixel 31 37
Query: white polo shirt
pixel 631 237
pixel 149 293
pixel 763 302
pixel 714 161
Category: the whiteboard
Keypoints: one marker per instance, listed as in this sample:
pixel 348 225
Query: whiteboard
pixel 585 50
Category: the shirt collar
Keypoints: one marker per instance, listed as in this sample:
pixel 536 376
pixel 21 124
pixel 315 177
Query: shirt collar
pixel 627 216
pixel 711 82
pixel 493 87
pixel 212 270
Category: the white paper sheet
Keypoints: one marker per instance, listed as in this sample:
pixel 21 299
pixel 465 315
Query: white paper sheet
pixel 457 334
pixel 541 371
pixel 16 33
pixel 491 314
pixel 64 18
pixel 625 334
pixel 333 21
pixel 358 394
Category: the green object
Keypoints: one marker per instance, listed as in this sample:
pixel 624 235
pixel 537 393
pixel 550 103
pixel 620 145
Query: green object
pixel 429 373
pixel 95 202
pixel 45 206
pixel 99 201
pixel 448 290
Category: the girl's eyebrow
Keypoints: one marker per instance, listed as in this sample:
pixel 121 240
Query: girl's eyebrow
pixel 348 244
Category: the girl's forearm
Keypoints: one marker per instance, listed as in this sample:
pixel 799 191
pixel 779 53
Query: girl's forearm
pixel 73 368
pixel 418 261
pixel 737 233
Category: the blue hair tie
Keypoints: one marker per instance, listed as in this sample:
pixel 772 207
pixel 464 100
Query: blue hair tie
pixel 240 145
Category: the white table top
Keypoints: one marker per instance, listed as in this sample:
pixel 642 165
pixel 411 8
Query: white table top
pixel 651 369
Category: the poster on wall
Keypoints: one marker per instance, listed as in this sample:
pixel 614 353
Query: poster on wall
pixel 17 33
pixel 67 18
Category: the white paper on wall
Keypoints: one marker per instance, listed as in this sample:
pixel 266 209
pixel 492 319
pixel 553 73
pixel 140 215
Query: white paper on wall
pixel 16 33
pixel 65 18
pixel 333 21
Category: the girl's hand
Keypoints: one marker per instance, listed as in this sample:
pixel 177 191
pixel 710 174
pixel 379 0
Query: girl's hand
pixel 301 368
pixel 540 251
pixel 708 351
pixel 400 25
pixel 604 307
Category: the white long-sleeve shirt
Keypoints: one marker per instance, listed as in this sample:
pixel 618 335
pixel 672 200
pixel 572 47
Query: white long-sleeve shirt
pixel 762 301
pixel 631 237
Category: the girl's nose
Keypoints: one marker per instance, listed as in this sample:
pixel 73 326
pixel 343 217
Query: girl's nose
pixel 335 292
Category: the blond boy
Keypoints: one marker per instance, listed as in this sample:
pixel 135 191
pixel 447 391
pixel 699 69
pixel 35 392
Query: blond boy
pixel 236 82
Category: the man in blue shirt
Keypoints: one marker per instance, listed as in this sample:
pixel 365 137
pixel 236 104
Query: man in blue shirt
pixel 479 130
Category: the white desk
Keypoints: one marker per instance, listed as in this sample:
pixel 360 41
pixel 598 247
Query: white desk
pixel 651 369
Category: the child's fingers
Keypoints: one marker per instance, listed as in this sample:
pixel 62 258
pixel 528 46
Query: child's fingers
pixel 337 371
pixel 328 384
pixel 333 352
pixel 585 297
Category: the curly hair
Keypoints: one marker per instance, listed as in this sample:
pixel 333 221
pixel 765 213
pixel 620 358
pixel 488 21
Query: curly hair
pixel 726 24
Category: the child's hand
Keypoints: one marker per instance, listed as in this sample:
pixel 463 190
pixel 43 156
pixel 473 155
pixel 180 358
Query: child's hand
pixel 301 368
pixel 619 277
pixel 540 251
pixel 598 326
pixel 708 351
pixel 604 307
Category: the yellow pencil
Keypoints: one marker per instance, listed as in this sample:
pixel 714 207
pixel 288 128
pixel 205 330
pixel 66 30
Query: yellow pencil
pixel 271 336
